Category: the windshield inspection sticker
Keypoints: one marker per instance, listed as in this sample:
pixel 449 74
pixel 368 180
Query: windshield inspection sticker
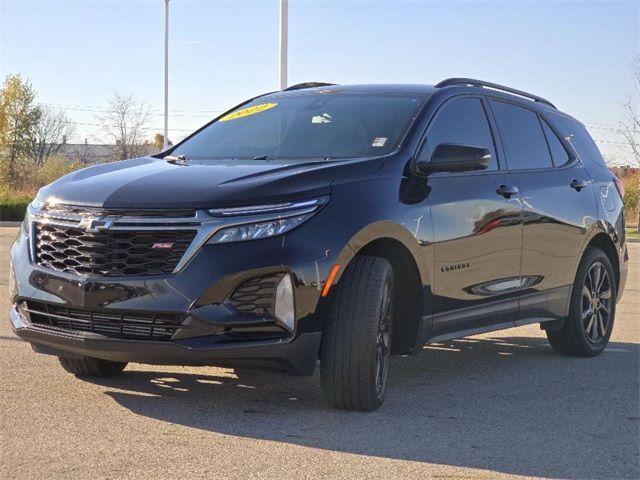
pixel 245 112
pixel 379 141
pixel 324 118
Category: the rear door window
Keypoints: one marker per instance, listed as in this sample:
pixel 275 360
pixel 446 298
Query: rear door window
pixel 522 136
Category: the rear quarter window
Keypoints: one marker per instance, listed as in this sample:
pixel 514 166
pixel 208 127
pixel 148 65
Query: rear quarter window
pixel 579 139
pixel 558 153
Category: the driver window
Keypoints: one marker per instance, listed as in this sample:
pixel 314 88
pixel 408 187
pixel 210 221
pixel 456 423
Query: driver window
pixel 461 121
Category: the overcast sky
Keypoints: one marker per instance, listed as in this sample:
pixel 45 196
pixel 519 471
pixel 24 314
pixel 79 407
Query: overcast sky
pixel 76 53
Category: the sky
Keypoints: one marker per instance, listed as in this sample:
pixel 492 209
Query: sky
pixel 578 54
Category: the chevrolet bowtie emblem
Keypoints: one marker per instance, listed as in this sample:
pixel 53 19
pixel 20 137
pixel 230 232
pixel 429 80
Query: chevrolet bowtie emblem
pixel 93 224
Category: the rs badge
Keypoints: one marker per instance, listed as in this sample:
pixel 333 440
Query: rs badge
pixel 164 245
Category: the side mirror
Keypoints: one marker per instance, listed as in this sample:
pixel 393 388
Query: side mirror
pixel 448 157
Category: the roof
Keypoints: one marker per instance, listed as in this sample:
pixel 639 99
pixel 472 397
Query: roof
pixel 369 88
pixel 459 85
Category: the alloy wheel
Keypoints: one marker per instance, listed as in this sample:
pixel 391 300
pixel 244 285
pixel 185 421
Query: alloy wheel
pixel 596 303
pixel 383 347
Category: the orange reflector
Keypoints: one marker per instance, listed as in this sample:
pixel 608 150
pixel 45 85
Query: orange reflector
pixel 329 282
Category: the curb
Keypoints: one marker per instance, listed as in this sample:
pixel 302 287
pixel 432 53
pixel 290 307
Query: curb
pixel 10 224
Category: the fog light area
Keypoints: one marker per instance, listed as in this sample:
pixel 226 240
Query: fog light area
pixel 284 310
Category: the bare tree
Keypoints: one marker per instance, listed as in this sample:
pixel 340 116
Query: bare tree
pixel 124 124
pixel 630 126
pixel 51 133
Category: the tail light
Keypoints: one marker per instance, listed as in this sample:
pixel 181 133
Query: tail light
pixel 619 186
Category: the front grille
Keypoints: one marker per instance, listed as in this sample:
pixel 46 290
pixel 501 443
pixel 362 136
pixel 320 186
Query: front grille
pixel 110 253
pixel 131 325
pixel 66 210
pixel 256 296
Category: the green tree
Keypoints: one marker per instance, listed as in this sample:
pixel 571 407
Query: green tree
pixel 19 117
pixel 158 141
pixel 632 196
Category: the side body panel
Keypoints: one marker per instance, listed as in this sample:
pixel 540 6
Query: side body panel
pixel 557 219
pixel 477 235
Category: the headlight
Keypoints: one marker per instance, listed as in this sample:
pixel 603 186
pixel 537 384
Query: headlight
pixel 273 220
pixel 24 227
pixel 34 206
pixel 255 231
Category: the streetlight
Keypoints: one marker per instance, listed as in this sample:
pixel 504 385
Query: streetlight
pixel 166 75
pixel 284 28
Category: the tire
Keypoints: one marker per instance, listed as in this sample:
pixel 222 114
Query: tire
pixel 355 352
pixel 585 333
pixel 91 367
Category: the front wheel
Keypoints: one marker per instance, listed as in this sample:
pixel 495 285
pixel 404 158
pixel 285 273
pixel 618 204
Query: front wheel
pixel 356 343
pixel 587 329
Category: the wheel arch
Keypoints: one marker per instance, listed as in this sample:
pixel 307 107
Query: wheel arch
pixel 408 292
pixel 604 242
pixel 411 268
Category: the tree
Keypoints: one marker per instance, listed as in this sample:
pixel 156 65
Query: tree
pixel 158 141
pixel 630 129
pixel 124 124
pixel 19 117
pixel 52 131
pixel 630 126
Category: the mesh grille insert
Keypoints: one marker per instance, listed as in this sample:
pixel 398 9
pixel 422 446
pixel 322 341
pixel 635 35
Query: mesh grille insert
pixel 256 296
pixel 110 253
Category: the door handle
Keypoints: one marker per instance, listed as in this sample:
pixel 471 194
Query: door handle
pixel 507 190
pixel 578 184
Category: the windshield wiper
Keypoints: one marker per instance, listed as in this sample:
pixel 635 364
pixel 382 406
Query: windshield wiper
pixel 269 157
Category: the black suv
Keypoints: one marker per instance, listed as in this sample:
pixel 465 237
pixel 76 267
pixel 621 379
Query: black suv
pixel 336 223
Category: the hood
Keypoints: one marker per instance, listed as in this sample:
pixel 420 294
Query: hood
pixel 154 183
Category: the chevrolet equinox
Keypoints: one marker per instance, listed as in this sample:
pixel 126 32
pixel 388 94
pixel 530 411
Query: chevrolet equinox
pixel 343 224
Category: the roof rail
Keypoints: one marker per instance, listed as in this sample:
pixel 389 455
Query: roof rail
pixel 300 86
pixel 449 82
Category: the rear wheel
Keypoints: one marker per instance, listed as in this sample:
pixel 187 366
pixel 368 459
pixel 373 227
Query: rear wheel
pixel 91 367
pixel 356 343
pixel 587 329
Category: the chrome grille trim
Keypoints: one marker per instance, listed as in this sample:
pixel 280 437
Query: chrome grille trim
pixel 203 223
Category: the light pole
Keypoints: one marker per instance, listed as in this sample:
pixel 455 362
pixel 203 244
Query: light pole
pixel 166 74
pixel 284 33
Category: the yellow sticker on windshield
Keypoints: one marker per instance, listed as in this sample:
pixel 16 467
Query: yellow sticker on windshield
pixel 244 112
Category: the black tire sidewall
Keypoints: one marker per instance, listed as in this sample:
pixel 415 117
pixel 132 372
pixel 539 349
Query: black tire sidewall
pixel 348 357
pixel 592 256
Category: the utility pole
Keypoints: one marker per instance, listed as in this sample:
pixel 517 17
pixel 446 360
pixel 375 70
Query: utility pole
pixel 166 74
pixel 284 37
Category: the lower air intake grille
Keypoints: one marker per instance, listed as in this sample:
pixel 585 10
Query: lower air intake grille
pixel 256 296
pixel 130 325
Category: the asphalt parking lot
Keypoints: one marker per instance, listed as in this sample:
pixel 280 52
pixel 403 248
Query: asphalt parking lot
pixel 494 405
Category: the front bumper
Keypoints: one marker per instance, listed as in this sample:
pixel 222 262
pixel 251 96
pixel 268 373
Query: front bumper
pixel 216 334
pixel 297 356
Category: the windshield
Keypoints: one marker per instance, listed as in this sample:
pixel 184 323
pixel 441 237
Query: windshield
pixel 307 125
